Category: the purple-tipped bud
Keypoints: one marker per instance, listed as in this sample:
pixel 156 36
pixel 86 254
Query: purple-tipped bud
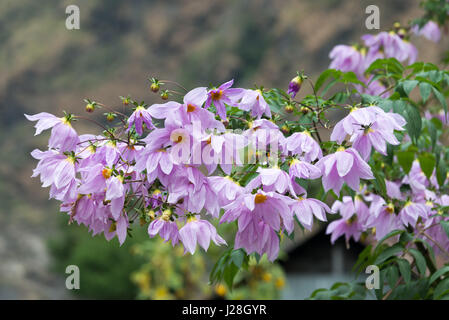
pixel 294 86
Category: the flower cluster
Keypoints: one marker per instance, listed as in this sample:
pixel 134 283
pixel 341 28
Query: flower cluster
pixel 179 165
pixel 393 44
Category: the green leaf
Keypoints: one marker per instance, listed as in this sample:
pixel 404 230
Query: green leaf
pixel 427 163
pixel 441 98
pixel 380 183
pixel 441 289
pixel 433 133
pixel 388 253
pixel 425 89
pixel 228 266
pixel 438 274
pixel 238 257
pixel 325 75
pixel 363 259
pixel 409 85
pixel 405 269
pixel 405 159
pixel 229 274
pixel 414 122
pixel 419 260
pixel 441 173
pixel 445 226
pixel 392 275
pixel 390 235
pixel 351 77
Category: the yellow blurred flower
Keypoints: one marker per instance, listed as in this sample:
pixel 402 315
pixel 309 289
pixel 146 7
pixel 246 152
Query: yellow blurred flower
pixel 280 283
pixel 220 290
pixel 266 277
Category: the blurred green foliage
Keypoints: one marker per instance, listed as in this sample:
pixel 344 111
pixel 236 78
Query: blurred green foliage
pixel 105 267
pixel 146 268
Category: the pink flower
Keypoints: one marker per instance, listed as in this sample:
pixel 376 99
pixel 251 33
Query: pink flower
pixel 350 228
pixel 347 58
pixel 253 100
pixel 63 136
pixel 369 127
pixel 263 133
pixel 303 170
pixel 223 150
pixel 97 179
pixel 58 171
pixel 306 208
pixel 430 30
pixel 198 231
pixel 391 45
pixel 345 165
pixel 270 207
pixel 121 228
pixel 138 118
pixel 225 188
pixel 222 95
pixel 259 237
pixel 383 219
pixel 303 145
pixel 277 179
pixel 393 190
pixel 412 211
pixel 167 229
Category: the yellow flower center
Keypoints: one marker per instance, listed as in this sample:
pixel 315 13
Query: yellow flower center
pixel 390 208
pixel 294 161
pixel 71 159
pixel 368 130
pixel 191 108
pixel 166 215
pixel 191 219
pixel 216 95
pixel 307 132
pixel 66 121
pixel 106 172
pixel 260 198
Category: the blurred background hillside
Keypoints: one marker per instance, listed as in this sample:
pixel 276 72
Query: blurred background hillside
pixel 45 67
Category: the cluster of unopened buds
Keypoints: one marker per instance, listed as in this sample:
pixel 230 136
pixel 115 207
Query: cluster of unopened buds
pixel 177 166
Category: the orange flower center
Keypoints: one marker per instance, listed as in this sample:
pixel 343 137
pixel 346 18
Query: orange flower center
pixel 106 172
pixel 216 95
pixel 260 198
pixel 190 108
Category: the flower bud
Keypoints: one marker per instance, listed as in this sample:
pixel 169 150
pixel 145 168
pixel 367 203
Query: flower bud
pixel 294 86
pixel 285 129
pixel 164 95
pixel 154 87
pixel 110 116
pixel 90 107
pixel 289 108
